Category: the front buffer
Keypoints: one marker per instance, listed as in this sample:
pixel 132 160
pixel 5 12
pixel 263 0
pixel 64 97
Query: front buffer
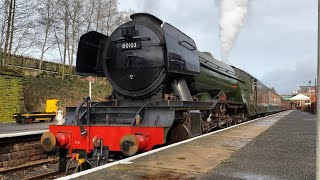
pixel 94 147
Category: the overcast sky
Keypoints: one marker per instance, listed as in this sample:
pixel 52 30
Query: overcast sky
pixel 277 43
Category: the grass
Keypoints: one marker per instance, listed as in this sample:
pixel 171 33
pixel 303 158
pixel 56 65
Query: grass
pixel 68 91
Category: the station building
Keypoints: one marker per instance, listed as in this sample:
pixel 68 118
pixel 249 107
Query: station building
pixel 303 97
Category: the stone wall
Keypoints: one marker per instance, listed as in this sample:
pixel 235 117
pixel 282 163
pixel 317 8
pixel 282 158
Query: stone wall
pixel 11 95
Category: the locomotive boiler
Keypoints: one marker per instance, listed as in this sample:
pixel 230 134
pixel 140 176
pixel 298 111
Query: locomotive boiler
pixel 164 91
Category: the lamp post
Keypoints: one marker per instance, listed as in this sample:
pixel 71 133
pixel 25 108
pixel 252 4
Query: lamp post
pixel 310 94
pixel 91 79
pixel 318 103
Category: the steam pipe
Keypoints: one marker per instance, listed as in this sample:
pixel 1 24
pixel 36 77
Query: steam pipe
pixel 181 88
pixel 82 130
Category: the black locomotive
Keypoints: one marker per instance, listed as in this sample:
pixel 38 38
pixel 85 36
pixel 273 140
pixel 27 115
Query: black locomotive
pixel 164 91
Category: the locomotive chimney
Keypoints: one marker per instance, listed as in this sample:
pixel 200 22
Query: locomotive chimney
pixel 146 17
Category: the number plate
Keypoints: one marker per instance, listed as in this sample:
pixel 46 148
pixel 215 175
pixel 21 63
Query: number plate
pixel 131 45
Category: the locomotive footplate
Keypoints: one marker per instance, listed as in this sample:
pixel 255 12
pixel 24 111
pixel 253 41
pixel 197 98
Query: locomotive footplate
pixel 156 113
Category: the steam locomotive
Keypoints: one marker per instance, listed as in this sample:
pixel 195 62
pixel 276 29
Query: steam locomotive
pixel 164 91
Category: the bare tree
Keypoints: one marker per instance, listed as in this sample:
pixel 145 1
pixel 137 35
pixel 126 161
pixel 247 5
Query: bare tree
pixel 54 25
pixel 4 7
pixel 7 37
pixel 17 34
pixel 23 27
pixel 89 8
pixel 65 17
pixel 12 25
pixel 46 14
pixel 58 42
pixel 61 32
pixel 122 17
pixel 3 18
pixel 104 15
pixel 76 22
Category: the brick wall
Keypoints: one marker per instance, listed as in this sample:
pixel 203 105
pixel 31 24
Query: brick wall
pixel 14 154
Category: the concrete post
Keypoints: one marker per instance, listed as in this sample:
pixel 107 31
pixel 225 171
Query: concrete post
pixel 1 57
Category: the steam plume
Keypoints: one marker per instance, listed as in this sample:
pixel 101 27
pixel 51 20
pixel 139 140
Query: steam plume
pixel 152 6
pixel 232 16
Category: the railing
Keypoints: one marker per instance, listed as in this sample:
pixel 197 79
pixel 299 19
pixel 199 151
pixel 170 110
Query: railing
pixel 32 63
pixel 28 63
pixel 23 62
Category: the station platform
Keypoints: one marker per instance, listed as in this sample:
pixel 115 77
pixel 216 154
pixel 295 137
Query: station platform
pixel 280 146
pixel 14 128
pixel 286 150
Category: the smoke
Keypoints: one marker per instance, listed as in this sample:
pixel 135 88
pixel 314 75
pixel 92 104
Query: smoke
pixel 232 16
pixel 152 7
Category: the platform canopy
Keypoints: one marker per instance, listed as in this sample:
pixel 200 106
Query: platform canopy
pixel 300 97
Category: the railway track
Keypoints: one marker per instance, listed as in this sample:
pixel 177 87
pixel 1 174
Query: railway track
pixel 46 169
pixel 49 175
pixel 28 171
pixel 20 168
pixel 37 169
pixel 56 174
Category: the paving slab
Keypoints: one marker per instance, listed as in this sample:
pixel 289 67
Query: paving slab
pixel 286 150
